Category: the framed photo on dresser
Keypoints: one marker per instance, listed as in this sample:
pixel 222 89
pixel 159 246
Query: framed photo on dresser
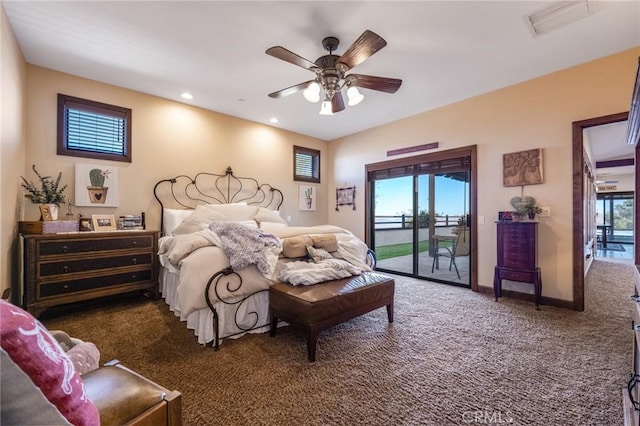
pixel 103 222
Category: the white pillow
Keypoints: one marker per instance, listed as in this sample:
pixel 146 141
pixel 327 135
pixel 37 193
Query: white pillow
pixel 198 220
pixel 266 215
pixel 235 211
pixel 171 218
pixel 270 227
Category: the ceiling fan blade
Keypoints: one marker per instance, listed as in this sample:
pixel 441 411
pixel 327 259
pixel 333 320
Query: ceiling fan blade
pixel 381 84
pixel 288 56
pixel 366 45
pixel 337 102
pixel 290 90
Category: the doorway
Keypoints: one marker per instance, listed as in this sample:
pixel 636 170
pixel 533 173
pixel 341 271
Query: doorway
pixel 419 216
pixel 582 224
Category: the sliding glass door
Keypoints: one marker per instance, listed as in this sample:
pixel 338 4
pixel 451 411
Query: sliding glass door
pixel 393 223
pixel 419 218
pixel 614 216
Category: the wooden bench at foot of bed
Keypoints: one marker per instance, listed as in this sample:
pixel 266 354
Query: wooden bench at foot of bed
pixel 319 306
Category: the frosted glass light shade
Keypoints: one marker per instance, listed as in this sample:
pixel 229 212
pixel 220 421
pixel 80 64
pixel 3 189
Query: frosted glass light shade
pixel 326 108
pixel 354 96
pixel 312 92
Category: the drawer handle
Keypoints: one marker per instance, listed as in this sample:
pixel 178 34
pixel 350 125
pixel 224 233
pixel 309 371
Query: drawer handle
pixel 65 249
pixel 134 261
pixel 65 268
pixel 66 288
pixel 134 276
pixel 135 244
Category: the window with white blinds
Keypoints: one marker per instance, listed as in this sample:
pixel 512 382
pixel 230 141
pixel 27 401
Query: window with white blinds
pixel 306 164
pixel 93 129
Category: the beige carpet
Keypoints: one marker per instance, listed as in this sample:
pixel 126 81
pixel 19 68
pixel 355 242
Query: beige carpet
pixel 452 357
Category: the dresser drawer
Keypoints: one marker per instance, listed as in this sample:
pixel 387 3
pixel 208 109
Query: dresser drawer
pixel 49 248
pixel 92 264
pixel 93 283
pixel 514 275
pixel 75 267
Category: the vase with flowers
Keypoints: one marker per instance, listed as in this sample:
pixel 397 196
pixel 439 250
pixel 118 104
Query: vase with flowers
pixel 48 192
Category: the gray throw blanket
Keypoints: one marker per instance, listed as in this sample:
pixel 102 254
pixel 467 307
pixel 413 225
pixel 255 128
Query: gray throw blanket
pixel 246 246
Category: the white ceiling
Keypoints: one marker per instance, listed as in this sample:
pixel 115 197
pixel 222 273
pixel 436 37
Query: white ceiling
pixel 444 51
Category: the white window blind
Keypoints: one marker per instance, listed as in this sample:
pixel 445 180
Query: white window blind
pixel 306 164
pixel 93 132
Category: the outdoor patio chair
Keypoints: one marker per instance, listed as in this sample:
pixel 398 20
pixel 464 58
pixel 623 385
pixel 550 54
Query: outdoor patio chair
pixel 460 247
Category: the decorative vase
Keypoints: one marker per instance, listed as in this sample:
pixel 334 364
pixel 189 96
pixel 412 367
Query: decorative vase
pixel 532 216
pixel 53 208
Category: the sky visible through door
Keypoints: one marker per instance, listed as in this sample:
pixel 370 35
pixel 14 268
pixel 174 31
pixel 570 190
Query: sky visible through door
pixel 398 201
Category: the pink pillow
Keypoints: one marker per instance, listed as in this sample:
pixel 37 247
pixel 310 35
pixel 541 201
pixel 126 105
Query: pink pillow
pixel 37 353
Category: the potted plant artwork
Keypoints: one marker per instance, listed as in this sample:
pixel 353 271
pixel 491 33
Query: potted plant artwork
pixel 48 193
pixel 97 190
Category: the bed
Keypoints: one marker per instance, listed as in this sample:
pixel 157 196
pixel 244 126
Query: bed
pixel 224 244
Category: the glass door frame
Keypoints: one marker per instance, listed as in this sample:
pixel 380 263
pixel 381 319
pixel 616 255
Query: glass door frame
pixel 469 151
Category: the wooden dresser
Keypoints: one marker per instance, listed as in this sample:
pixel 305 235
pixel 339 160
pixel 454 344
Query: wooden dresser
pixel 632 407
pixel 65 268
pixel 518 256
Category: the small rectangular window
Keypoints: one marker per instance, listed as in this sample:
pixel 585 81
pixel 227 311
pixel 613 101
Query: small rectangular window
pixel 93 130
pixel 306 164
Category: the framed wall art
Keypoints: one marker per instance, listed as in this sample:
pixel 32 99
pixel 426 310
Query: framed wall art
pixel 96 185
pixel 522 168
pixel 307 201
pixel 346 197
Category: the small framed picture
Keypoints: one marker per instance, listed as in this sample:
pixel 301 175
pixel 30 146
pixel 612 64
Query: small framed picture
pixel 103 222
pixel 45 212
pixel 85 224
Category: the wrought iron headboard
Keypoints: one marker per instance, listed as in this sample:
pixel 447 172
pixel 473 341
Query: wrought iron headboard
pixel 185 192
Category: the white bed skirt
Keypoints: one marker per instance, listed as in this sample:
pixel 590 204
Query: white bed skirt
pixel 201 322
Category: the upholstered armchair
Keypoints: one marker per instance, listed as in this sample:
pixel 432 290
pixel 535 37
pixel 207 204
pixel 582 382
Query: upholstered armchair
pixel 49 380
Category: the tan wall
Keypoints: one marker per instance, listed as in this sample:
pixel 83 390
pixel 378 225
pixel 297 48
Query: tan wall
pixel 169 138
pixel 534 114
pixel 12 149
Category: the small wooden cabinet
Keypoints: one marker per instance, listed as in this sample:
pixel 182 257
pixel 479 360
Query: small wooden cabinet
pixel 65 268
pixel 518 256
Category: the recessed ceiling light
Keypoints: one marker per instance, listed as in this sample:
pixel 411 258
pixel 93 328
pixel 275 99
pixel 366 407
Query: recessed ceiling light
pixel 273 120
pixel 186 95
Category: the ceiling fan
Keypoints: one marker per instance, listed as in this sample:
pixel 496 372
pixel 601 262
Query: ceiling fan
pixel 330 71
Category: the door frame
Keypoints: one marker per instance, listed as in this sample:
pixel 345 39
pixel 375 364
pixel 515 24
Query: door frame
pixel 578 201
pixel 468 151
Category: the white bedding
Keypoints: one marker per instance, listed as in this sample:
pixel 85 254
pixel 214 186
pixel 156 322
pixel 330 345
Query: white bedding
pixel 190 260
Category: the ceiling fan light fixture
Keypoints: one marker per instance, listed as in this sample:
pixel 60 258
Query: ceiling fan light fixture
pixel 354 96
pixel 330 71
pixel 312 92
pixel 326 108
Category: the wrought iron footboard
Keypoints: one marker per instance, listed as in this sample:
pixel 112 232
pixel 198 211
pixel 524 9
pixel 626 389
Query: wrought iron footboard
pixel 233 282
